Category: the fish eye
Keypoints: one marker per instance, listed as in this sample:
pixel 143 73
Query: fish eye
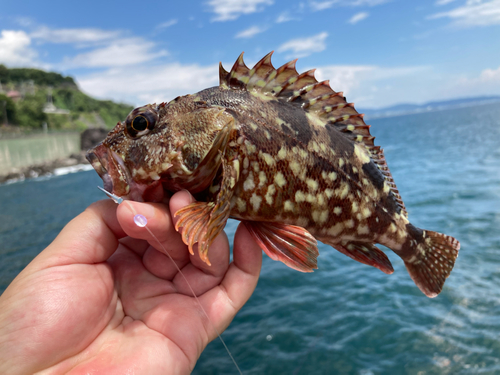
pixel 141 121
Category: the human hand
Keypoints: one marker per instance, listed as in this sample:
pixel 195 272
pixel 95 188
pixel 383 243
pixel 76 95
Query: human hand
pixel 102 299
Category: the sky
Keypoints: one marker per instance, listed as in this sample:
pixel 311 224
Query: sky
pixel 378 52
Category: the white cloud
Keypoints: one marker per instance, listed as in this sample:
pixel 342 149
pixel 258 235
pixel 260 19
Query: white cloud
pixel 366 85
pixel 483 83
pixel 166 24
pixel 322 5
pixel 120 52
pixel 24 21
pixel 344 77
pixel 284 17
pixel 369 3
pixel 490 76
pixel 74 35
pixel 227 10
pixel 305 46
pixel 473 13
pixel 250 32
pixel 15 49
pixel 106 48
pixel 358 17
pixel 155 84
pixel 444 2
pixel 375 86
pixel 487 82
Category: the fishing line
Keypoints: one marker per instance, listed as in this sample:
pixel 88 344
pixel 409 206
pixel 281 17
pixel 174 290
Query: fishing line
pixel 141 221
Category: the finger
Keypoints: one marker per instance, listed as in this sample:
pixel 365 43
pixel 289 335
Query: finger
pixel 218 252
pixel 138 246
pixel 137 287
pixel 160 233
pixel 240 281
pixel 91 237
pixel 194 275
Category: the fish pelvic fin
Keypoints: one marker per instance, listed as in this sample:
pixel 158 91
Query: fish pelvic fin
pixel 434 259
pixel 292 245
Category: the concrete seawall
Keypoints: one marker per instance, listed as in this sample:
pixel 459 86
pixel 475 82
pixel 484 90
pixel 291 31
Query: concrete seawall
pixel 19 153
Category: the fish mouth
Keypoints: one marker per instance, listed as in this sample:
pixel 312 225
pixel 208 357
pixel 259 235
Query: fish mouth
pixel 111 168
pixel 117 179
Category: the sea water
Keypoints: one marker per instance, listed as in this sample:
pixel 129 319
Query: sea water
pixel 346 317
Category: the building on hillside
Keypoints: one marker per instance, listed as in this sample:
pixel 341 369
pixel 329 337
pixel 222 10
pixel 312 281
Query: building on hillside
pixel 14 95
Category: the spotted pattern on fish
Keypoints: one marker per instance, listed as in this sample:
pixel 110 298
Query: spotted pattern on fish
pixel 286 155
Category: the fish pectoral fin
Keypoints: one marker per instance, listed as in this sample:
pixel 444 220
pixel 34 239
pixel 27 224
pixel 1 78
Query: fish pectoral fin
pixel 366 253
pixel 203 221
pixel 290 244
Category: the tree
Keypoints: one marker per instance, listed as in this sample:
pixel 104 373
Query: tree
pixel 39 77
pixel 30 110
pixel 7 110
pixel 4 74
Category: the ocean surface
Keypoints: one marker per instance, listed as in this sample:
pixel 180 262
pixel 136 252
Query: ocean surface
pixel 346 317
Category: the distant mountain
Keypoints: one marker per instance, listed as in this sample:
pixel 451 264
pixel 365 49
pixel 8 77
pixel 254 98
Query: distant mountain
pixel 404 109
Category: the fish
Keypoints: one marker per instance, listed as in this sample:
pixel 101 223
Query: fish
pixel 287 156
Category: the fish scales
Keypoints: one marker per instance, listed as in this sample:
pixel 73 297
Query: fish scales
pixel 287 156
pixel 296 162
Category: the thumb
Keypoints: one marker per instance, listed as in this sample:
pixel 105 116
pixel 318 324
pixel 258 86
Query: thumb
pixel 91 237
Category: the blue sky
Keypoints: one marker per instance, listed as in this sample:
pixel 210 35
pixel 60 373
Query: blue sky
pixel 379 52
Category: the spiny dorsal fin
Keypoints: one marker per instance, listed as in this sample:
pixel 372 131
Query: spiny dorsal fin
pixel 317 98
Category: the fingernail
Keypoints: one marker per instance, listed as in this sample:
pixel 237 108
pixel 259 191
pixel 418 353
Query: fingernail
pixel 191 199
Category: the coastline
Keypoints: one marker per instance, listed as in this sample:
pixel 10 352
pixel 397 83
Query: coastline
pixel 73 163
pixel 54 165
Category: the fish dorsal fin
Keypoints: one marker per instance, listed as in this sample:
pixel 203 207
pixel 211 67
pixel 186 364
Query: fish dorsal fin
pixel 316 98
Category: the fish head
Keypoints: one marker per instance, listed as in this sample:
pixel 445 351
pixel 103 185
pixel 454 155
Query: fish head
pixel 162 145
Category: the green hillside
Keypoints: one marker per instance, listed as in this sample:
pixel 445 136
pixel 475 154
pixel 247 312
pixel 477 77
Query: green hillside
pixel 35 89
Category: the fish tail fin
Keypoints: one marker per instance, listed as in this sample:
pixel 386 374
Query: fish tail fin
pixel 432 261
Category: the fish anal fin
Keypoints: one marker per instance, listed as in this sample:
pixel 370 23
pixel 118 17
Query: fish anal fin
pixel 366 253
pixel 433 262
pixel 292 245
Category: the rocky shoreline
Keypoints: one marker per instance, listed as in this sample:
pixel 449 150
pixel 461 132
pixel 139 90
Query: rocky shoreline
pixel 44 169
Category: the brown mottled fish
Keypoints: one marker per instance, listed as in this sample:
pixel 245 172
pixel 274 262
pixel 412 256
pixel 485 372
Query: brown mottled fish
pixel 287 156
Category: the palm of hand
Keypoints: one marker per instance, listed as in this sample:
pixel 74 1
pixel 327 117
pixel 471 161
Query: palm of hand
pixel 127 310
